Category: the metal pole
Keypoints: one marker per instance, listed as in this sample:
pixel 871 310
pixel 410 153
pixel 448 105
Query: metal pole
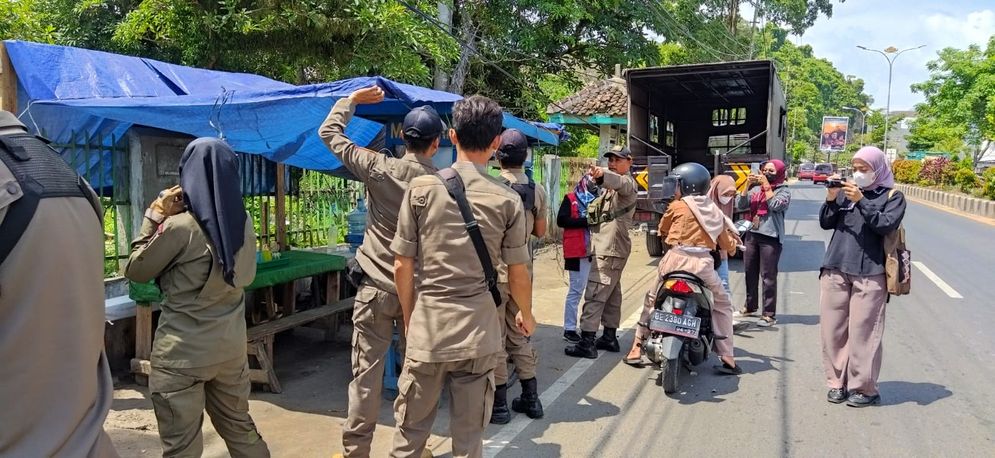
pixel 887 108
pixel 891 62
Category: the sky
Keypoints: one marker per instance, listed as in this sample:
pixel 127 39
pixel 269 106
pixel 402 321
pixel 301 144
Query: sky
pixel 878 24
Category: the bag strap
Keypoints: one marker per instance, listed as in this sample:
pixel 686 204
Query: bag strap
pixel 901 227
pixel 19 215
pixel 457 190
pixel 621 212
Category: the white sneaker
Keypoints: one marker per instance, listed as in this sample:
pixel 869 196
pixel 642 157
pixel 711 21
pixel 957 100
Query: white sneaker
pixel 742 314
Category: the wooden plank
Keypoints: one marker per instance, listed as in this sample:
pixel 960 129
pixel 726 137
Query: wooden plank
pixel 281 207
pixel 266 363
pixel 143 331
pixel 297 319
pixel 288 297
pixel 142 369
pixel 8 82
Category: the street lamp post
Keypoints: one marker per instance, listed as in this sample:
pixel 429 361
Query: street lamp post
pixel 862 125
pixel 891 62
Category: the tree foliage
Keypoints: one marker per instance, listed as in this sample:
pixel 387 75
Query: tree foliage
pixel 960 100
pixel 523 53
pixel 815 88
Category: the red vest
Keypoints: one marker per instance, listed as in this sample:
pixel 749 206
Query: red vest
pixel 574 239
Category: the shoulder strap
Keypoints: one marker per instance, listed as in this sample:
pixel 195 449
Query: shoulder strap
pixel 15 154
pixel 457 190
pixel 19 215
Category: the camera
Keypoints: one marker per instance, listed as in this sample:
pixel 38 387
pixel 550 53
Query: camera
pixel 835 183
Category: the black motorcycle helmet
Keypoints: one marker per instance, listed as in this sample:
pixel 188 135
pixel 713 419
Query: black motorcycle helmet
pixel 693 177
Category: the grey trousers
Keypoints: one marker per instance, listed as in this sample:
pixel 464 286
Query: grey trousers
pixel 852 323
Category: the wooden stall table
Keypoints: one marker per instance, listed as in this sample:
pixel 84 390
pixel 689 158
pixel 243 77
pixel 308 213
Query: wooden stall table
pixel 274 279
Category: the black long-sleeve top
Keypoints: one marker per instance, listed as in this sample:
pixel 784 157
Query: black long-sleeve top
pixel 857 246
pixel 564 220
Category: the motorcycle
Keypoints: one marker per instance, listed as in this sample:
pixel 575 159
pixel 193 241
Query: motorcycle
pixel 680 326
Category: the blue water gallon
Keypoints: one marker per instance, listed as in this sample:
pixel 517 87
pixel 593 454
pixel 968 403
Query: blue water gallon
pixel 357 224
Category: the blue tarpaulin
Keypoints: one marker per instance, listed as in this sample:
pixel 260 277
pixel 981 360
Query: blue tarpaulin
pixel 65 90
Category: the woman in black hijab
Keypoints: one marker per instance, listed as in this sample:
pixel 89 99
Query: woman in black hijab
pixel 198 243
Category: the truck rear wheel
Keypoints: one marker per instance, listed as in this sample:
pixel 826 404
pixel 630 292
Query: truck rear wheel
pixel 654 245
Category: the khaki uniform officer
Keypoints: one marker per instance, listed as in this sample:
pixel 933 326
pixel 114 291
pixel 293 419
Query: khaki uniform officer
pixel 610 247
pixel 453 328
pixel 512 154
pixel 56 386
pixel 198 243
pixel 376 307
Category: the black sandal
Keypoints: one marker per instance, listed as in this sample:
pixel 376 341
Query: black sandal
pixel 726 369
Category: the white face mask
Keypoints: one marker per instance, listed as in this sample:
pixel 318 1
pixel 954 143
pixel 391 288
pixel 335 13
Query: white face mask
pixel 724 200
pixel 863 179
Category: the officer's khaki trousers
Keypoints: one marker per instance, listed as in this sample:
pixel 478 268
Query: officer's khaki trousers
pixel 179 397
pixel 851 319
pixel 373 315
pixel 471 389
pixel 603 297
pixel 516 345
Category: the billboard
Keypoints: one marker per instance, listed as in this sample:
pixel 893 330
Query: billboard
pixel 834 133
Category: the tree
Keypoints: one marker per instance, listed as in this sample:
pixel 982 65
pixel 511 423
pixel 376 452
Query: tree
pixel 929 134
pixel 815 88
pixel 960 99
pixel 19 19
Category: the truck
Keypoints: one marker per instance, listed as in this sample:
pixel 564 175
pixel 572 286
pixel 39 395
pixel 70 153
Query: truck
pixel 730 117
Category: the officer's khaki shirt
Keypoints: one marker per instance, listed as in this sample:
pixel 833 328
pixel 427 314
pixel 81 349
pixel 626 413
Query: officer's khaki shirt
pixel 56 386
pixel 455 318
pixel 386 179
pixel 517 175
pixel 612 238
pixel 203 318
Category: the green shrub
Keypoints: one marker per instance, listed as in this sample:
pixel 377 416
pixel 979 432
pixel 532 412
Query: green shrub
pixel 965 180
pixel 907 171
pixel 989 182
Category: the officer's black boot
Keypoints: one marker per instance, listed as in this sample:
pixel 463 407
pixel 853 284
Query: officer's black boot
pixel 585 348
pixel 528 403
pixel 500 414
pixel 608 341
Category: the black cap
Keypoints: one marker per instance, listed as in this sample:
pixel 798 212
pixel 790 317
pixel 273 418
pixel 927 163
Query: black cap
pixel 423 122
pixel 514 141
pixel 620 151
pixel 514 148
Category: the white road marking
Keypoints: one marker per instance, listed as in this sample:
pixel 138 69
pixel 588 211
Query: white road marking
pixel 937 280
pixel 510 431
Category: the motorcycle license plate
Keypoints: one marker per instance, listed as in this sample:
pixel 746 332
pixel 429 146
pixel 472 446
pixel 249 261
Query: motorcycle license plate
pixel 678 325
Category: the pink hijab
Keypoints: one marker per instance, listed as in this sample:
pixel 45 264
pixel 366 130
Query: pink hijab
pixel 720 185
pixel 883 177
pixel 758 203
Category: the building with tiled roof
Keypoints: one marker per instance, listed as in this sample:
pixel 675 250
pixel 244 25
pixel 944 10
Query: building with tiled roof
pixel 600 103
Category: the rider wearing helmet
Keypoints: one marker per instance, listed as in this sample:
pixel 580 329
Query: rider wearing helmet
pixel 694 227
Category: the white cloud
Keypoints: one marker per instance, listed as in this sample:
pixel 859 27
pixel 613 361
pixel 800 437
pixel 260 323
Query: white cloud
pixel 903 24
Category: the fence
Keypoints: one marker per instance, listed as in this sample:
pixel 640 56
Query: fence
pixel 97 159
pixel 315 203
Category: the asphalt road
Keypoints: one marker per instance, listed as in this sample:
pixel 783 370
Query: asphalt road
pixel 937 380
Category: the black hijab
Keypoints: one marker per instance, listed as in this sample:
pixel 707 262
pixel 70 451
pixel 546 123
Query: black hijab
pixel 212 192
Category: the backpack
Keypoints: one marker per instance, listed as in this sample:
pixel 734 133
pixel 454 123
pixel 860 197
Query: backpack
pixel 601 209
pixel 897 261
pixel 41 174
pixel 527 191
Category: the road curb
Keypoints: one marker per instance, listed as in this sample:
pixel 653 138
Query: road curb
pixel 978 207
